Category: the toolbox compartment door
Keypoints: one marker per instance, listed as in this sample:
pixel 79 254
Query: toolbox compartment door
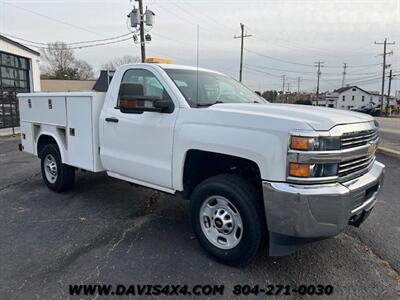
pixel 43 110
pixel 80 132
pixel 27 136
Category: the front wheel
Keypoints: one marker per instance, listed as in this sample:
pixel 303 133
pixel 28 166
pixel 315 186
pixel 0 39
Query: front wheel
pixel 58 177
pixel 228 219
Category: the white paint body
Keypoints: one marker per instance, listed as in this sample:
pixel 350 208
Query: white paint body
pixel 150 148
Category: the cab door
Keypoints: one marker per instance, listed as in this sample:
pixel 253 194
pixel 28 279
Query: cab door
pixel 137 143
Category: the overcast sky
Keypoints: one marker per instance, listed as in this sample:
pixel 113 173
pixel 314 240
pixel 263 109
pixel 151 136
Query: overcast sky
pixel 288 36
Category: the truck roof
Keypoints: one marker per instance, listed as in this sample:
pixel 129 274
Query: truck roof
pixel 183 67
pixel 180 67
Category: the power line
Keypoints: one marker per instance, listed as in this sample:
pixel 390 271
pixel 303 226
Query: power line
pixel 307 72
pixel 292 45
pixel 79 47
pixel 302 64
pixel 221 25
pixel 228 29
pixel 262 72
pixel 277 59
pixel 354 66
pixel 283 70
pixel 71 43
pixel 51 18
pixel 337 78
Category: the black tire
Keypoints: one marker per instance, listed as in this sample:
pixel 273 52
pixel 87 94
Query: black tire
pixel 65 175
pixel 246 199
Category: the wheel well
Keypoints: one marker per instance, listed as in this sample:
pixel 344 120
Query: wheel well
pixel 200 165
pixel 43 141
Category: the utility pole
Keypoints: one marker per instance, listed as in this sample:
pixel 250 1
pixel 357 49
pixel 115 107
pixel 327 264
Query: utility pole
pixel 385 43
pixel 344 73
pixel 388 94
pixel 318 64
pixel 142 40
pixel 242 36
pixel 298 84
pixel 283 84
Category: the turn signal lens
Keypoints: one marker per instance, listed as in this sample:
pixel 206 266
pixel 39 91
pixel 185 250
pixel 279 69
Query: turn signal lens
pixel 299 170
pixel 299 143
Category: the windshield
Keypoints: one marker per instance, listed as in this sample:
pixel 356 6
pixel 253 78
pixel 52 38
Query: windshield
pixel 201 88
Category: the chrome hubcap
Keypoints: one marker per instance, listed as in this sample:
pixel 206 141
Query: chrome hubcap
pixel 50 168
pixel 221 222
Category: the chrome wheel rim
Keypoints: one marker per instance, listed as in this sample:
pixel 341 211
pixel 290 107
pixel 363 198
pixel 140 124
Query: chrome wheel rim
pixel 221 222
pixel 50 168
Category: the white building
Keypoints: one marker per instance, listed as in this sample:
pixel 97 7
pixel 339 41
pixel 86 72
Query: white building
pixel 354 97
pixel 351 97
pixel 327 99
pixel 19 66
pixel 19 72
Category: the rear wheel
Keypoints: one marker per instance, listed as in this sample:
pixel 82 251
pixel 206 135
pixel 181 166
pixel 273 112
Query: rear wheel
pixel 58 177
pixel 228 219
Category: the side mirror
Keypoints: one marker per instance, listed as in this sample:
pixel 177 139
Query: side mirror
pixel 163 105
pixel 139 104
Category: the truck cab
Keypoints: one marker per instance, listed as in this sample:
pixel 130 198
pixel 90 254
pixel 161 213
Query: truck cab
pixel 255 173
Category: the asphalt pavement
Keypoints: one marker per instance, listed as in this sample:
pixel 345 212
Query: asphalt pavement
pixel 389 133
pixel 107 231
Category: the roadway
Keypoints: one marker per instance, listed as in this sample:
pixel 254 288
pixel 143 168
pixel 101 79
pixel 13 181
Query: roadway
pixel 107 231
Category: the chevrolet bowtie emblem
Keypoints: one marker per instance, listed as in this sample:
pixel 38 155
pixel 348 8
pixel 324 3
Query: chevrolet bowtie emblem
pixel 372 149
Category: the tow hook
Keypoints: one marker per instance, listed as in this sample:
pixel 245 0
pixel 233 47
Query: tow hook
pixel 356 220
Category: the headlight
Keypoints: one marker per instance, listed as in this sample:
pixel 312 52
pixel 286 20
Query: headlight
pixel 314 143
pixel 313 170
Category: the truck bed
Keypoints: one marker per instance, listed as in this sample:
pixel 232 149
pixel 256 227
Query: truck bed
pixel 71 118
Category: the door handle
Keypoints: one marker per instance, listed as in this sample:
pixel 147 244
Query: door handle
pixel 114 120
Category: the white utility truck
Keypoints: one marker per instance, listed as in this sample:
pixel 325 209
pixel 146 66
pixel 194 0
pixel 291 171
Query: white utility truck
pixel 256 173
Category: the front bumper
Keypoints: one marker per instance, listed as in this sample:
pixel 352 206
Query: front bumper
pixel 297 214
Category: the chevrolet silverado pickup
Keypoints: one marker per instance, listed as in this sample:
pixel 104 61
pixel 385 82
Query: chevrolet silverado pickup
pixel 255 173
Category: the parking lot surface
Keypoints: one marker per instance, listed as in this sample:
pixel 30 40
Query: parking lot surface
pixel 109 232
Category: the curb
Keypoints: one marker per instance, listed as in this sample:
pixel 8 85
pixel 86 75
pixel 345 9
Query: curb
pixel 9 134
pixel 388 151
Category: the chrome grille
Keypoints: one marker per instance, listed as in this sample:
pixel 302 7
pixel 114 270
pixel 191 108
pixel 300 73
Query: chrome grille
pixel 355 167
pixel 358 166
pixel 360 138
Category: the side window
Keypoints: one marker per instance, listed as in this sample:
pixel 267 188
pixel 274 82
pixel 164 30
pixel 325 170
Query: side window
pixel 140 87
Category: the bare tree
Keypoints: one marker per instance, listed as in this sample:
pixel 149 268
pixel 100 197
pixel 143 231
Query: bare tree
pixel 61 63
pixel 85 71
pixel 117 61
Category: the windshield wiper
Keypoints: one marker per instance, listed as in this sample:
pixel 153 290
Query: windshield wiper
pixel 208 104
